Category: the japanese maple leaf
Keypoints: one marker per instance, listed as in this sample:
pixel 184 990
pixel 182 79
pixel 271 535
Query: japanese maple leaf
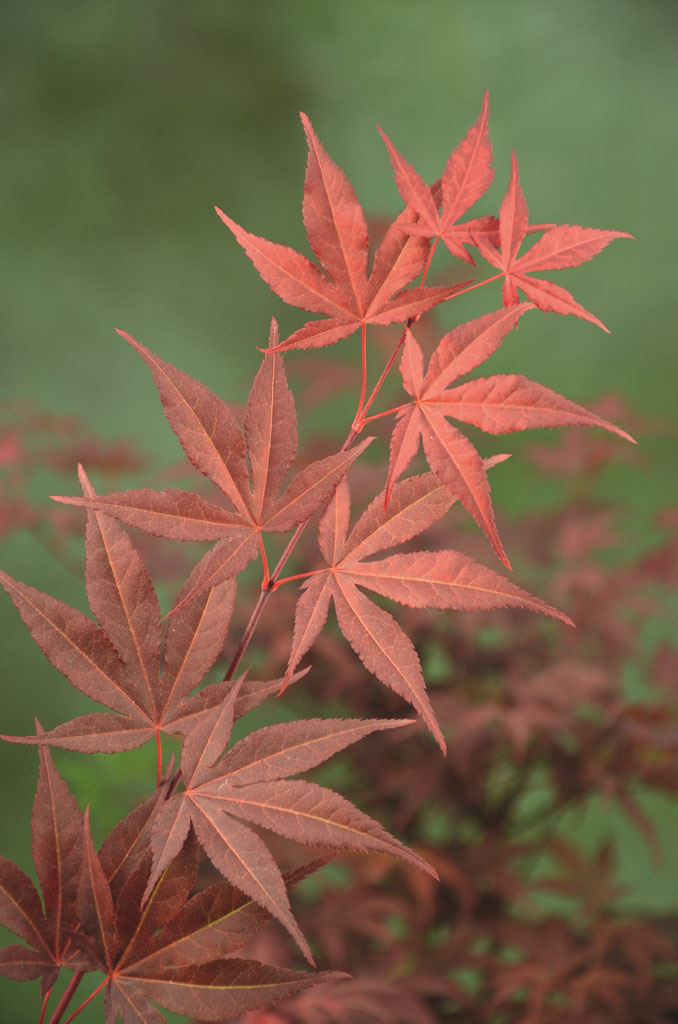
pixel 467 176
pixel 501 404
pixel 437 579
pixel 214 443
pixel 249 782
pixel 56 828
pixel 337 233
pixel 564 245
pixel 171 949
pixel 119 662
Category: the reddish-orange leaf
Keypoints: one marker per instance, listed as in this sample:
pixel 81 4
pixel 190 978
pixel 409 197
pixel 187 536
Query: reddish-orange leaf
pixel 467 175
pixel 126 672
pixel 337 233
pixel 562 245
pixel 498 405
pixel 438 579
pixel 213 441
pixel 245 783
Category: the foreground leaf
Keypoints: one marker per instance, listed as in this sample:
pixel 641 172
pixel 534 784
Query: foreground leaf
pixel 246 783
pixel 502 404
pixel 337 233
pixel 119 663
pixel 438 579
pixel 562 245
pixel 215 445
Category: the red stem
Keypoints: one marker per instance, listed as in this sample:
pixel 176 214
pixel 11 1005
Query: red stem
pixel 158 744
pixel 299 576
pixel 380 415
pixel 66 997
pixel 265 562
pixel 363 382
pixel 249 629
pixel 43 1009
pixel 429 261
pixel 89 999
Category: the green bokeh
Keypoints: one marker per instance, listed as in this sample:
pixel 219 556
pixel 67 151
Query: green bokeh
pixel 124 122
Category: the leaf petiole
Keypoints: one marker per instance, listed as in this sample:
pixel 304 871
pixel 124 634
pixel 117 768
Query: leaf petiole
pixel 89 999
pixel 66 997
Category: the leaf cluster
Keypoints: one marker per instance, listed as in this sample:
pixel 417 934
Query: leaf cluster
pixel 136 910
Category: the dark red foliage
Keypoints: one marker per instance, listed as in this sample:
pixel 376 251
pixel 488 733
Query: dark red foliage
pixel 172 908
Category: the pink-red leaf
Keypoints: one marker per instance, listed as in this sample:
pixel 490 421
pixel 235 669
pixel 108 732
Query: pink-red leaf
pixel 562 245
pixel 337 234
pixel 289 748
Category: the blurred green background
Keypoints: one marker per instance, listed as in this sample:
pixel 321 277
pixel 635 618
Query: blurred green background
pixel 125 122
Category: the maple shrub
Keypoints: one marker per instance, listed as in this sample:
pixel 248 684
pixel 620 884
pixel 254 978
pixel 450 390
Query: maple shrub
pixel 137 912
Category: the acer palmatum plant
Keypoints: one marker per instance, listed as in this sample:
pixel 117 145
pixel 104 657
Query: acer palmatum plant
pixel 134 911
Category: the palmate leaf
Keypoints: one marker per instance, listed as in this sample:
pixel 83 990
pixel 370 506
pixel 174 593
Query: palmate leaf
pixel 175 949
pixel 562 245
pixel 467 176
pixel 337 233
pixel 437 579
pixel 501 404
pixel 248 782
pixel 216 446
pixel 118 663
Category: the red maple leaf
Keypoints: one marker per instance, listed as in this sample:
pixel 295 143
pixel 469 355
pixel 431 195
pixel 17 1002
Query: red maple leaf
pixel 118 663
pixel 337 233
pixel 564 245
pixel 209 434
pixel 466 177
pixel 437 579
pixel 249 782
pixel 172 948
pixel 501 404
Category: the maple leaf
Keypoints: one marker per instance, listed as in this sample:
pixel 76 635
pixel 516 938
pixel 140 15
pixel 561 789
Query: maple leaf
pixel 437 579
pixel 249 782
pixel 56 827
pixel 466 177
pixel 501 404
pixel 175 950
pixel 216 446
pixel 563 245
pixel 337 233
pixel 118 663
